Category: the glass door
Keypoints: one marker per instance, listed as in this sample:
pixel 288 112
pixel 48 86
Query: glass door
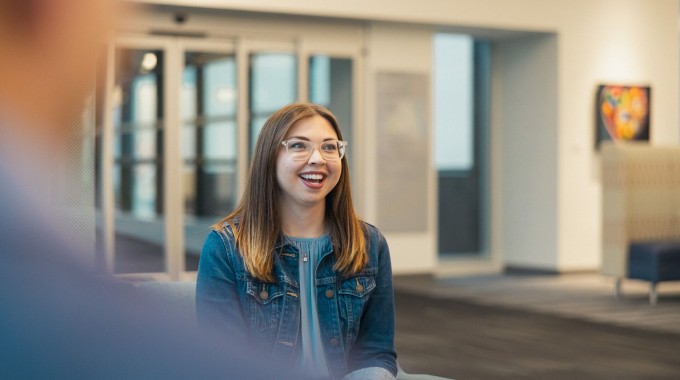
pixel 131 213
pixel 331 85
pixel 272 82
pixel 209 139
pixel 166 152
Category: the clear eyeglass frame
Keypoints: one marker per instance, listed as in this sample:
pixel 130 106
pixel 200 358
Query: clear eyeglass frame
pixel 301 150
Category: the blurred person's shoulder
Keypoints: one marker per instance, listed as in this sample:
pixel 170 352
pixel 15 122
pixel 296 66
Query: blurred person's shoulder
pixel 56 311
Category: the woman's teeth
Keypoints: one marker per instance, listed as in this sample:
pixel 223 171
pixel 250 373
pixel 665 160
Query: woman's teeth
pixel 312 177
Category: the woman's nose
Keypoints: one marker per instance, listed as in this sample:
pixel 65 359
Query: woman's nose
pixel 316 158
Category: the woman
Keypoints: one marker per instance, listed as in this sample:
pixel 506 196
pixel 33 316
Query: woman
pixel 293 269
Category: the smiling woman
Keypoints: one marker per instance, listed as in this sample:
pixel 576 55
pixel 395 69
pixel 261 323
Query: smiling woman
pixel 292 269
pixel 307 174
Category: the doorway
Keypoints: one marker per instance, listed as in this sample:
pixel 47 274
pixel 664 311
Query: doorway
pixel 461 94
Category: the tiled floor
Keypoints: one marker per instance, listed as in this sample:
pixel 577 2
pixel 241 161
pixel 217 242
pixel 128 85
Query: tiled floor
pixel 587 297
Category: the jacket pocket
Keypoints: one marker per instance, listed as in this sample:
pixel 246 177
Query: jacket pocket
pixel 264 306
pixel 353 293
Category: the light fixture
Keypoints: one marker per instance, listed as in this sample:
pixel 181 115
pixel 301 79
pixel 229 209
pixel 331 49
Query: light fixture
pixel 226 94
pixel 149 62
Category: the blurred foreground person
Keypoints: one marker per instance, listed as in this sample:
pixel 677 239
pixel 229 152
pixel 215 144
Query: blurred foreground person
pixel 58 320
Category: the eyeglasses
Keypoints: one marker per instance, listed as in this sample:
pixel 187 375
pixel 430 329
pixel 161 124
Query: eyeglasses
pixel 301 150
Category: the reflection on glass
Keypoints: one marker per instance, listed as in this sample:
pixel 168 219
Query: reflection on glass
pixel 330 85
pixel 273 84
pixel 138 169
pixel 208 145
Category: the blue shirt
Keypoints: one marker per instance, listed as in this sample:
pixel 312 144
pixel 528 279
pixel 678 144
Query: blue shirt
pixel 311 250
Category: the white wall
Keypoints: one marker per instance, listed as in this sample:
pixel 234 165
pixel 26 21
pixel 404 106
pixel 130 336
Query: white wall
pixel 623 41
pixel 525 74
pixel 398 49
pixel 607 42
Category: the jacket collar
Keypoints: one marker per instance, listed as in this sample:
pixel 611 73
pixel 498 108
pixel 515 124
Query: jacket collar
pixel 281 241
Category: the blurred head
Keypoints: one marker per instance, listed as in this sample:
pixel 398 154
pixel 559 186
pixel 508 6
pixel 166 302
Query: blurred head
pixel 276 176
pixel 48 53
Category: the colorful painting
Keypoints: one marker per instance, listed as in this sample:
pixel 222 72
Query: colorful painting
pixel 623 113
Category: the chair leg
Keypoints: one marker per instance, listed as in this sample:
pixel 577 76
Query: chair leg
pixel 652 293
pixel 617 288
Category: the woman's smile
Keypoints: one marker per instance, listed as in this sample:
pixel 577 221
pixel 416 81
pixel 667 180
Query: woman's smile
pixel 313 179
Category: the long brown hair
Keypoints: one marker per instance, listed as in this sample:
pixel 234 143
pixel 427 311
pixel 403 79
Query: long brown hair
pixel 259 223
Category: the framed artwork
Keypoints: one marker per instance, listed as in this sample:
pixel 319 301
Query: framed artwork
pixel 622 113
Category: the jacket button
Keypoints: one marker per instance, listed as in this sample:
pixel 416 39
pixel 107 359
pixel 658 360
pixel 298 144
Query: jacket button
pixel 360 288
pixel 329 293
pixel 264 294
pixel 334 342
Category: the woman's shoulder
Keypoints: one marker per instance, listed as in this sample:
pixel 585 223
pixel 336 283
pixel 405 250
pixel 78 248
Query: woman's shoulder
pixel 371 230
pixel 376 246
pixel 227 228
pixel 222 234
pixel 220 244
pixel 373 234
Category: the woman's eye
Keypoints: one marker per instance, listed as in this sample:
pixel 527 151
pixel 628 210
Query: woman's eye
pixel 329 148
pixel 298 146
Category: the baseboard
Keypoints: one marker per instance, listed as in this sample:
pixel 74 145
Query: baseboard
pixel 529 271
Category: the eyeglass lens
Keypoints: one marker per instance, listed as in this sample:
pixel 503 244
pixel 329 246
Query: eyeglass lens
pixel 302 150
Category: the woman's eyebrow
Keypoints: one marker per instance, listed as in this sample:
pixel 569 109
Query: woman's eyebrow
pixel 307 138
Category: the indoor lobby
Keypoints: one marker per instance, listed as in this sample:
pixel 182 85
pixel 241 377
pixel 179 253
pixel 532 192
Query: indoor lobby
pixel 520 157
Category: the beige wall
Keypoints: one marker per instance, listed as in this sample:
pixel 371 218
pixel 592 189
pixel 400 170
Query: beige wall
pixel 409 50
pixel 596 49
pixel 525 119
pixel 596 41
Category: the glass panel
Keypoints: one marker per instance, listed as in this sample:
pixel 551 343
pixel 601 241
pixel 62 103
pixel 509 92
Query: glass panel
pixel 138 168
pixel 144 191
pixel 273 84
pixel 320 80
pixel 330 85
pixel 453 88
pixel 209 142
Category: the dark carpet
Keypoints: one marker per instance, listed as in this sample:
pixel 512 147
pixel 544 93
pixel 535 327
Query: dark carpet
pixel 462 340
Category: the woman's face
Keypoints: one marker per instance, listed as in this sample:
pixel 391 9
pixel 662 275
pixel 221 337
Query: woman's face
pixel 307 182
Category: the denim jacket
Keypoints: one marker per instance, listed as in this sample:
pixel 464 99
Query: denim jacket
pixel 356 313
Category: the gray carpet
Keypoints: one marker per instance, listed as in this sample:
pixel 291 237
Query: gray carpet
pixel 463 340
